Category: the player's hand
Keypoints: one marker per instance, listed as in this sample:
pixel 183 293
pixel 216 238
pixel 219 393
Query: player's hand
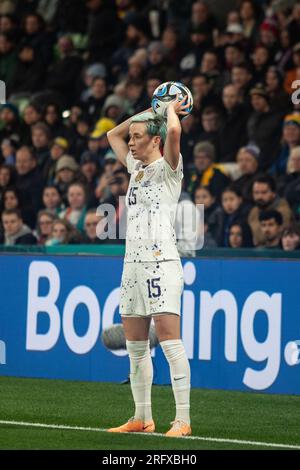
pixel 180 105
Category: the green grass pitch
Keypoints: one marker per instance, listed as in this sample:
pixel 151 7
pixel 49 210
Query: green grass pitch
pixel 259 418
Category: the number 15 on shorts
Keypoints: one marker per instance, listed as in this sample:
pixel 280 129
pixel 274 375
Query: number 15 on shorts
pixel 154 289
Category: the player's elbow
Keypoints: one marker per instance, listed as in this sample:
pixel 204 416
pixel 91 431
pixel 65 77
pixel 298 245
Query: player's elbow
pixel 174 132
pixel 110 135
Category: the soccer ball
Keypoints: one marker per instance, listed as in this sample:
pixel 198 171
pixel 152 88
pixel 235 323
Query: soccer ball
pixel 166 92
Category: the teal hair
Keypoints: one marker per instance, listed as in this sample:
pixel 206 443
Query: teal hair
pixel 155 124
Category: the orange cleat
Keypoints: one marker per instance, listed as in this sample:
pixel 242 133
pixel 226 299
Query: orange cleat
pixel 179 429
pixel 134 425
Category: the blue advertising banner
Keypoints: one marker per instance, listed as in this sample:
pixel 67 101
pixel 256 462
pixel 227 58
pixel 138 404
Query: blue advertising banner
pixel 240 321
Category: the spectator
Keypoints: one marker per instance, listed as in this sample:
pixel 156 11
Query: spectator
pixel 48 10
pixel 52 200
pixel 102 191
pixel 77 206
pixel 290 140
pixel 11 199
pixel 211 123
pixel 66 173
pixel 233 36
pixel 63 233
pixel 9 25
pixel 187 221
pixel 97 146
pixel 294 25
pixel 189 137
pixel 232 133
pixel 8 150
pixel 136 96
pixel 15 231
pixel 234 54
pixel 114 108
pixel 233 17
pixel 264 126
pixel 211 67
pixel 248 163
pixel 203 95
pixel 203 195
pixel 94 104
pixel 265 198
pixel 35 36
pixel 53 119
pixel 290 238
pixel 41 139
pixel 11 124
pixel 283 58
pixel 290 184
pixel 268 36
pixel 104 30
pixel 152 83
pixel 241 78
pixel 8 58
pixel 136 36
pixel 278 97
pixel 231 211
pixel 292 75
pixel 158 64
pixel 90 169
pixel 71 15
pixel 179 13
pixel 31 116
pixel 205 171
pixel 58 148
pixel 260 62
pixel 76 112
pixel 90 72
pixel 202 16
pixel 118 185
pixel 79 138
pixel 170 41
pixel 249 15
pixel 29 72
pixel 197 44
pixel 7 178
pixel 91 223
pixel 44 226
pixel 136 68
pixel 271 227
pixel 29 181
pixel 99 134
pixel 240 235
pixel 62 75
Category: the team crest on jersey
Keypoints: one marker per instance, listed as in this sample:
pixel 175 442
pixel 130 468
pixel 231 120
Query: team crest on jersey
pixel 139 176
pixel 150 171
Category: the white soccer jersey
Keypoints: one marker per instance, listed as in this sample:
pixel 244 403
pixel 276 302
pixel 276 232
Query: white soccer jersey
pixel 151 202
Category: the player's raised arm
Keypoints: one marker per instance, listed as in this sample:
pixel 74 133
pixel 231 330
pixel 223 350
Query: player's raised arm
pixel 117 138
pixel 172 144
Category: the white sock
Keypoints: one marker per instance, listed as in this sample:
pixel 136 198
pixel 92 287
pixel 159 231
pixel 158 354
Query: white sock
pixel 141 377
pixel 180 376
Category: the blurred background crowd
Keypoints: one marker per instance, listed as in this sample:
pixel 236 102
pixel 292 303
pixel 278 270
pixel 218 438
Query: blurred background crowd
pixel 75 69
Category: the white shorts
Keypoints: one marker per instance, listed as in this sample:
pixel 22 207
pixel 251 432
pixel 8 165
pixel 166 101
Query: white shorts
pixel 151 288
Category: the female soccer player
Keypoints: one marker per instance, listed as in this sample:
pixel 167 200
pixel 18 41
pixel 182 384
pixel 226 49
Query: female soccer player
pixel 152 280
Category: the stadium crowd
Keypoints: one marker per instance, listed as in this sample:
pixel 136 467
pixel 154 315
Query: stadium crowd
pixel 75 69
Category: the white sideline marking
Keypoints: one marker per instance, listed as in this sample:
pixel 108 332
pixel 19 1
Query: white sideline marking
pixel 194 438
